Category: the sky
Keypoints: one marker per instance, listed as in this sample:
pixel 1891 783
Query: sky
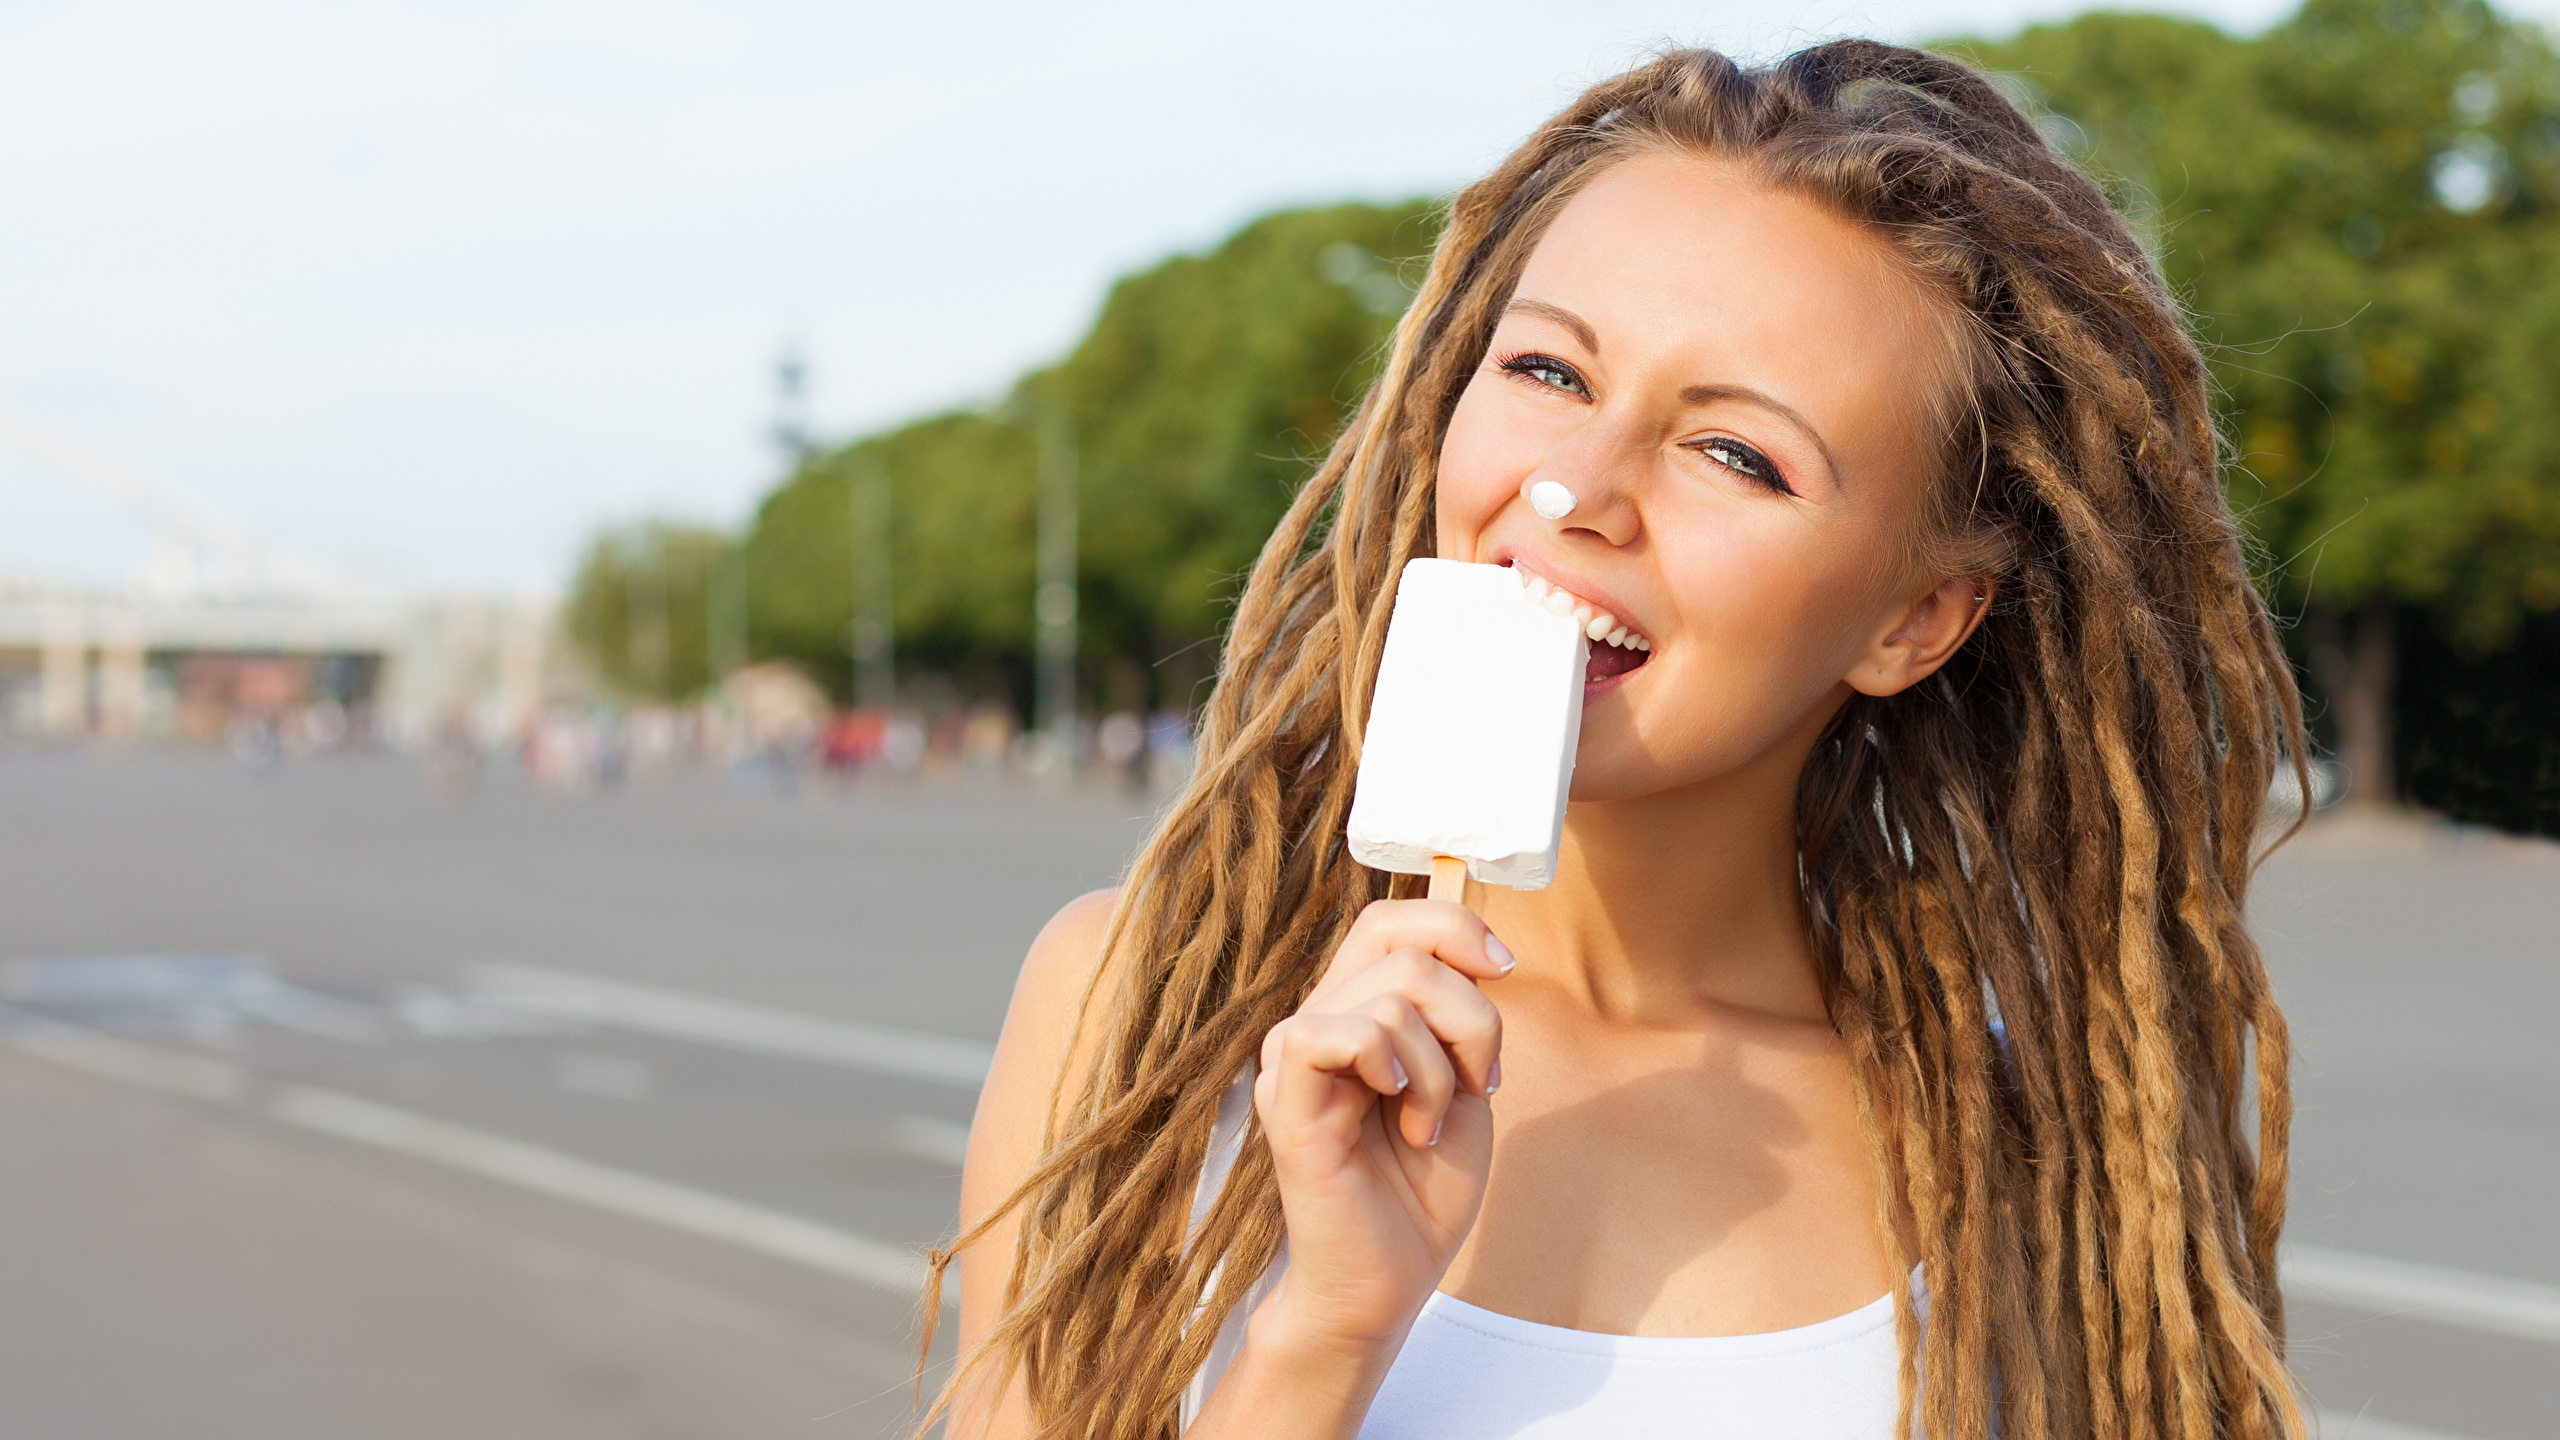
pixel 428 292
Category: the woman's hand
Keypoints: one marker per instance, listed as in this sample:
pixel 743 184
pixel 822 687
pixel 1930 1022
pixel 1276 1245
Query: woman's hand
pixel 1373 1099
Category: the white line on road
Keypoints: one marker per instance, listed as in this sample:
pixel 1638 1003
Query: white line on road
pixel 2363 1282
pixel 641 1197
pixel 912 1054
pixel 2340 1425
pixel 818 1246
pixel 2346 1425
pixel 198 1077
pixel 2424 1292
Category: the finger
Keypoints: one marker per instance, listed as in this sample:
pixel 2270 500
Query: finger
pixel 1451 932
pixel 1458 1014
pixel 1434 1081
pixel 1314 1051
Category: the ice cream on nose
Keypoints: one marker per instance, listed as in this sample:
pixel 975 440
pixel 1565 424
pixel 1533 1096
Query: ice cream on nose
pixel 1468 754
pixel 1551 500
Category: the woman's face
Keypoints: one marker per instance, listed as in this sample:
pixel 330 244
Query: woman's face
pixel 1734 384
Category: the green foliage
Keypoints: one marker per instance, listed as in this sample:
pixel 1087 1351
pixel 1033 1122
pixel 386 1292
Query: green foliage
pixel 2362 207
pixel 961 506
pixel 1199 401
pixel 641 611
pixel 1205 393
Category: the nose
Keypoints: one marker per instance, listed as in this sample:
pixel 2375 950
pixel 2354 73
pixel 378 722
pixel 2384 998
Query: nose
pixel 1578 486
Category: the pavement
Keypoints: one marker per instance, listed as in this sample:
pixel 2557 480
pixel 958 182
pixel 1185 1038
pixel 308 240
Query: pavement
pixel 339 1107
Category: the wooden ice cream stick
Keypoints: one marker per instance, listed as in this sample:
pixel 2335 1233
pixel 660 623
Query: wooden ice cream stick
pixel 1449 879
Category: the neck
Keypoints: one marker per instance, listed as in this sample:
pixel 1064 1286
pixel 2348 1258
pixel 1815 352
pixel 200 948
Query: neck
pixel 1673 905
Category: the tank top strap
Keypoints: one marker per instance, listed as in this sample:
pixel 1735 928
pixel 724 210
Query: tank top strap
pixel 1226 1142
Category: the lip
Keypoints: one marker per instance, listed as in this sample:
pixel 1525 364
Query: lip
pixel 1581 586
pixel 1522 558
pixel 1592 690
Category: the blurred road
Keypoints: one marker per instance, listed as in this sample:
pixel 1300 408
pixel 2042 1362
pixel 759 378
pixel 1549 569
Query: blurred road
pixel 333 1108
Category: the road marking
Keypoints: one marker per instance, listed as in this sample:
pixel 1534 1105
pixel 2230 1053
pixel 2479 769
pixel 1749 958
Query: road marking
pixel 197 986
pixel 2397 1288
pixel 2341 1425
pixel 641 1197
pixel 775 1233
pixel 326 1016
pixel 2424 1292
pixel 912 1054
pixel 439 1016
pixel 198 1077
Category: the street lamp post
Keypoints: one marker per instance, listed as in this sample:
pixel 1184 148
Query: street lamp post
pixel 644 594
pixel 1054 604
pixel 873 635
pixel 725 593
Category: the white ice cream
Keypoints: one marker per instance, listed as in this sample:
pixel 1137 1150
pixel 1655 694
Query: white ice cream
pixel 1472 727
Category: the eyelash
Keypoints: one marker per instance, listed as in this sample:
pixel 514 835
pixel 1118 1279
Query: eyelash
pixel 1527 364
pixel 1744 461
pixel 1733 455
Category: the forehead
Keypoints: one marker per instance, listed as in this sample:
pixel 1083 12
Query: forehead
pixel 1695 262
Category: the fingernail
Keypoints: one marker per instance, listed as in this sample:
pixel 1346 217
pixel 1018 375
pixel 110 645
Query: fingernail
pixel 1493 1078
pixel 1499 953
pixel 1435 1131
pixel 1398 1067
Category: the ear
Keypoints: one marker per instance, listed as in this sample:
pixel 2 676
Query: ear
pixel 1922 635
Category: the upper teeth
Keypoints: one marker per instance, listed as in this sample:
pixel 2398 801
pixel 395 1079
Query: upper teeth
pixel 1598 624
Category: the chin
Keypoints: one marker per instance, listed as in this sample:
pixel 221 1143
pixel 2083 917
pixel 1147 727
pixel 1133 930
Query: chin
pixel 1614 763
pixel 1597 781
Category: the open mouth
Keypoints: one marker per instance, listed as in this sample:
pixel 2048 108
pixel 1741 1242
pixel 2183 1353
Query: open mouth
pixel 1608 661
pixel 1615 649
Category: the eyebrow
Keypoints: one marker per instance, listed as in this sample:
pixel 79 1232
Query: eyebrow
pixel 1556 314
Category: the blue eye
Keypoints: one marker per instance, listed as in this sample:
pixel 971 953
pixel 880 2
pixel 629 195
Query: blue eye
pixel 1742 460
pixel 1545 370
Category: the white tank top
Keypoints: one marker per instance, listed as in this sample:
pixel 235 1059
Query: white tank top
pixel 1470 1374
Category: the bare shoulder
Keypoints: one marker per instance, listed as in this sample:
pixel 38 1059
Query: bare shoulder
pixel 1006 1138
pixel 1065 954
pixel 1039 1025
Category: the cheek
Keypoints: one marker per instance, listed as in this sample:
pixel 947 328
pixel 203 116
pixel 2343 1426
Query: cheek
pixel 1783 607
pixel 1483 459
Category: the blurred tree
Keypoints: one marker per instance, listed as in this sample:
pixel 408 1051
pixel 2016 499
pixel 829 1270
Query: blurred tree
pixel 960 546
pixel 641 609
pixel 1199 401
pixel 1204 395
pixel 2362 207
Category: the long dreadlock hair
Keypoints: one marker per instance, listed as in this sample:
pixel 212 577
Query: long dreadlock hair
pixel 2049 840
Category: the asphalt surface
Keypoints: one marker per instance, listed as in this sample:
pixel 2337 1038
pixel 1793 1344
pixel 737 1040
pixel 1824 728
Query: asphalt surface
pixel 294 1151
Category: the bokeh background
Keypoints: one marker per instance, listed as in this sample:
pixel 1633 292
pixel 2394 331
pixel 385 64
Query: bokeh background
pixel 576 581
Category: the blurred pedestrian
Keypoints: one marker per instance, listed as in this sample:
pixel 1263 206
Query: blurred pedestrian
pixel 1168 749
pixel 453 760
pixel 1121 741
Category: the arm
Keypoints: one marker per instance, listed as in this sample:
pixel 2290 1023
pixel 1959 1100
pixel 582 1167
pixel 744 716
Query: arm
pixel 1373 1100
pixel 1289 1381
pixel 1004 1138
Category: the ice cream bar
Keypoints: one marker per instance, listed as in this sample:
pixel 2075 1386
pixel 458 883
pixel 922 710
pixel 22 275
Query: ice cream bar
pixel 1469 748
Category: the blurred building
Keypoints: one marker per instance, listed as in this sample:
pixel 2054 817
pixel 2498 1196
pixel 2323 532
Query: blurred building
pixel 220 632
pixel 133 665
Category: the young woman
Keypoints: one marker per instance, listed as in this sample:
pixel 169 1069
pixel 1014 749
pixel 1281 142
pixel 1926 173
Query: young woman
pixel 1877 1062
